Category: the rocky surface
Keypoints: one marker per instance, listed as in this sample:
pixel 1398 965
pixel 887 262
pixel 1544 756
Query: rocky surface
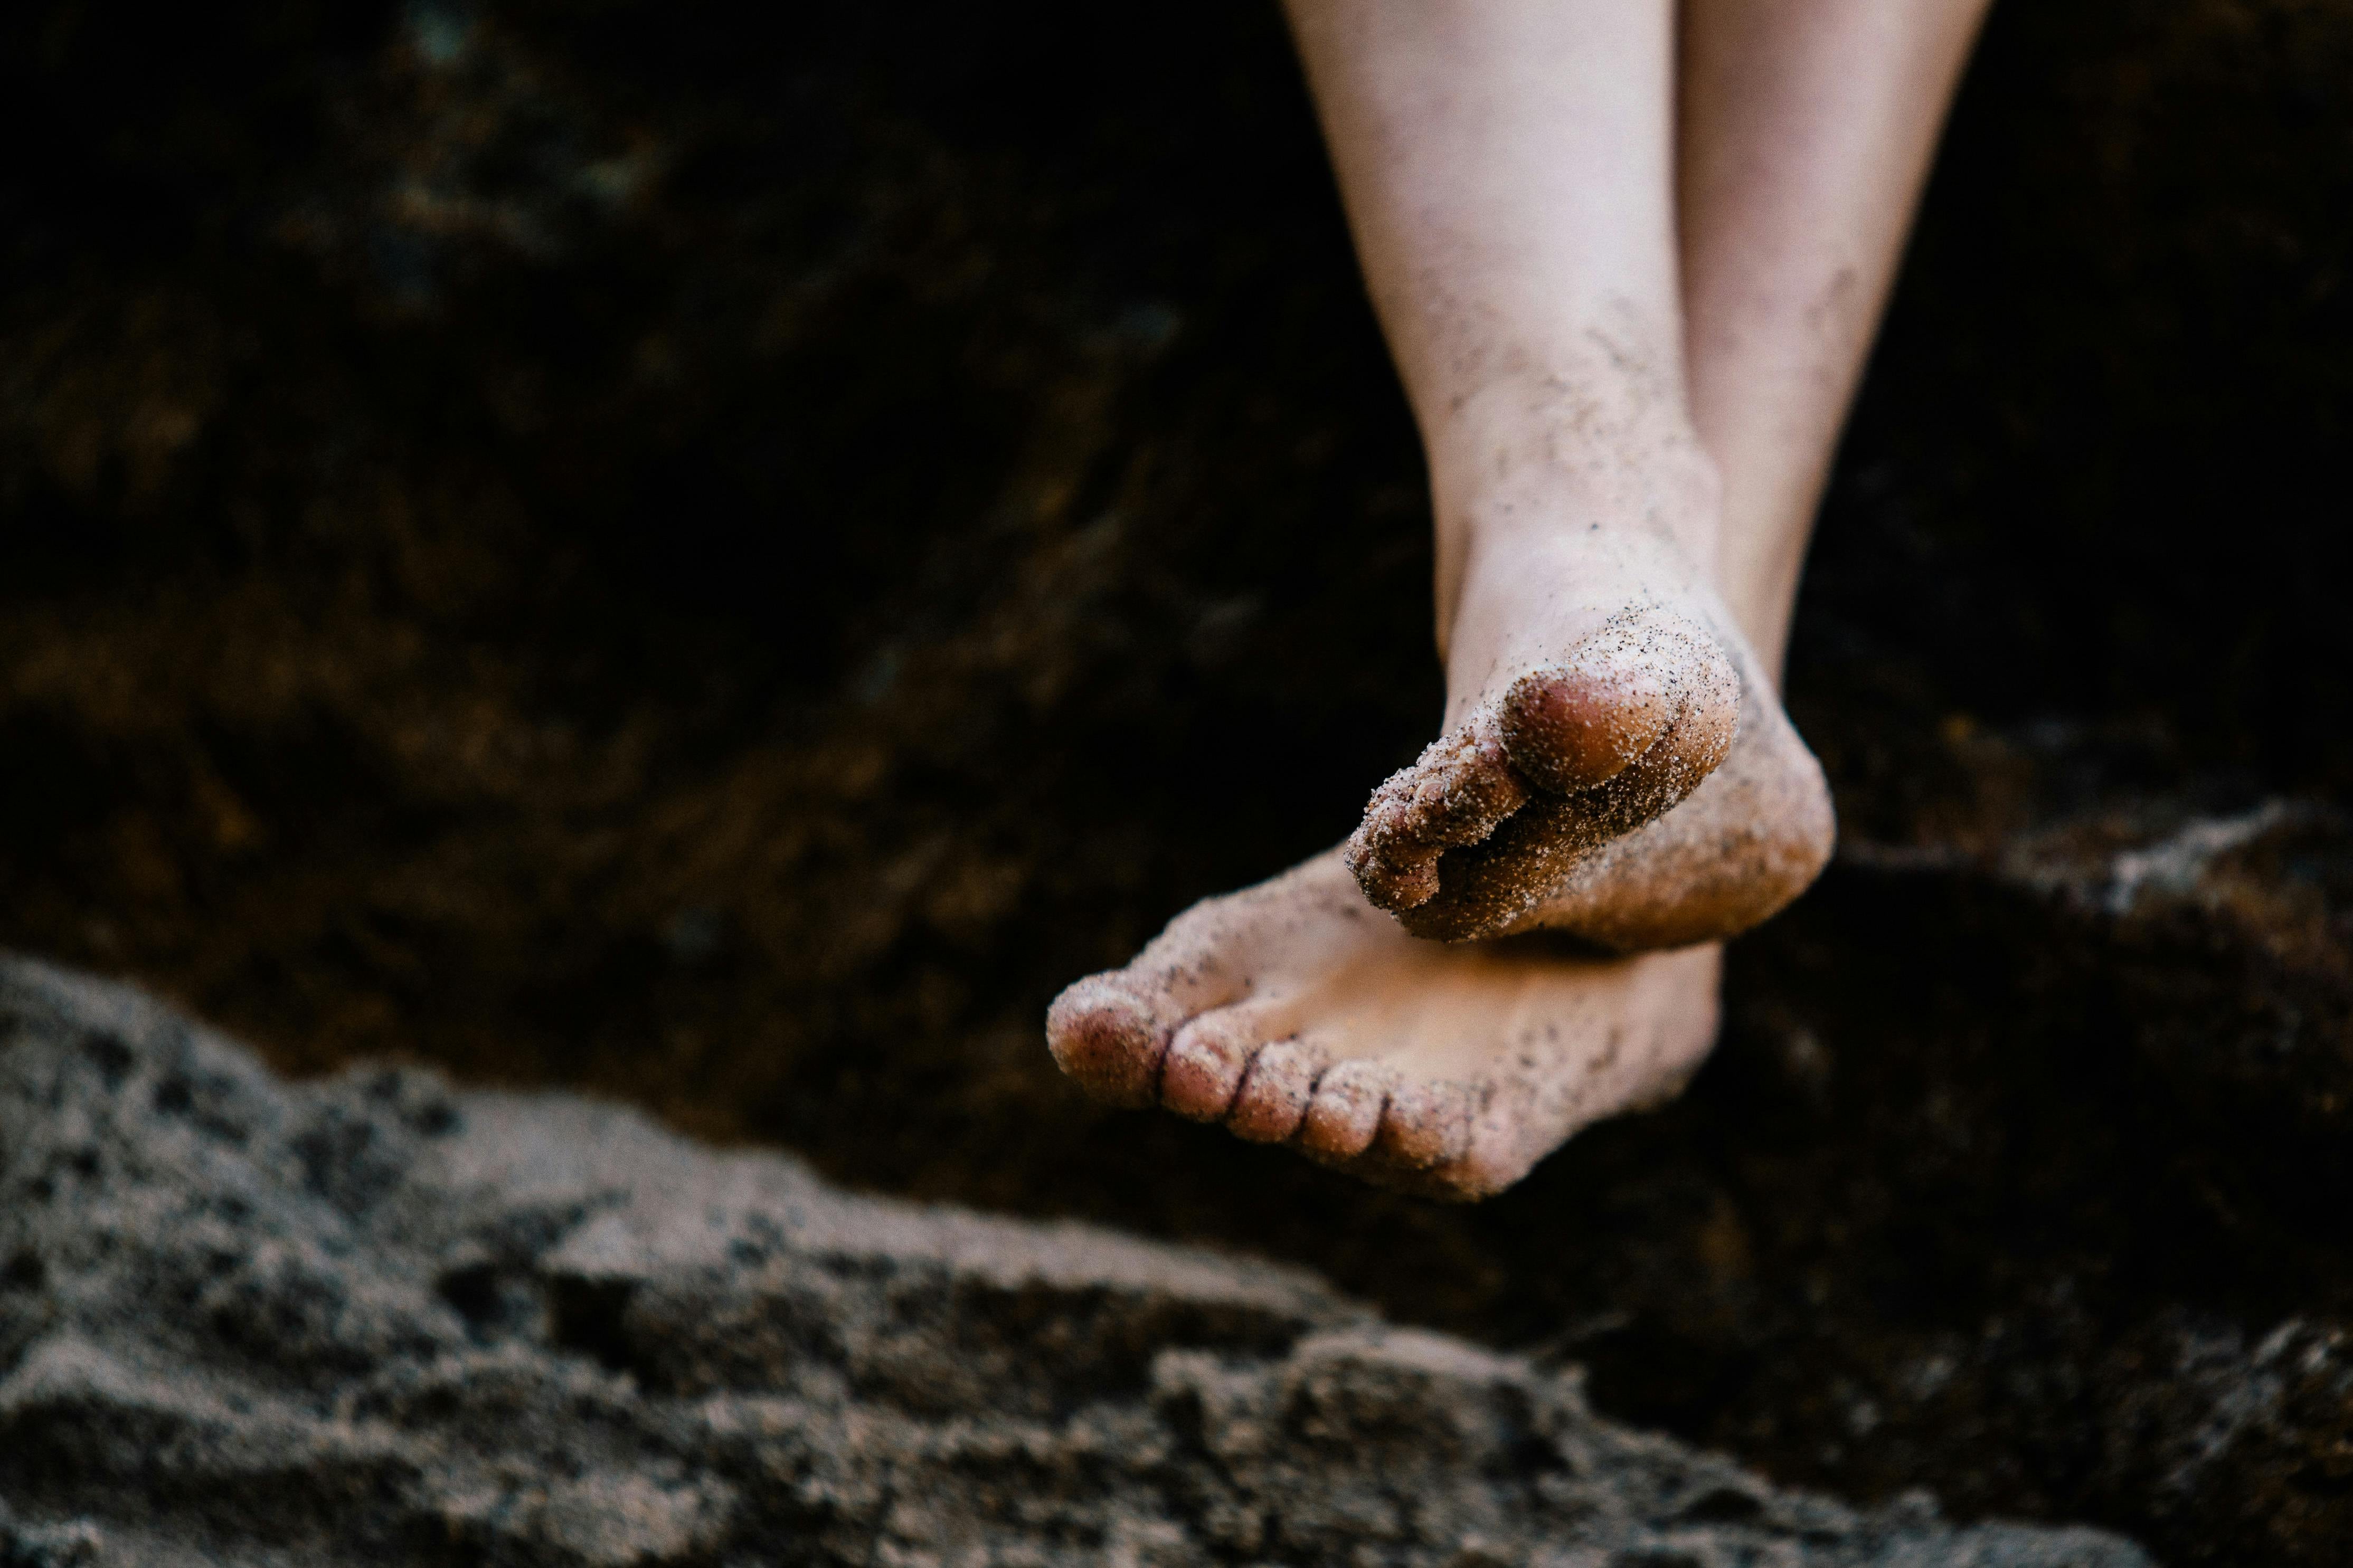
pixel 2050 1182
pixel 378 1321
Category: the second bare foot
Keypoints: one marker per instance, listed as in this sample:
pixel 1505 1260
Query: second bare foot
pixel 1295 1013
pixel 1615 763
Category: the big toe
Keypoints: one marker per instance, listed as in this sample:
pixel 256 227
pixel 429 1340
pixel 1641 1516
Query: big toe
pixel 1110 1038
pixel 1645 678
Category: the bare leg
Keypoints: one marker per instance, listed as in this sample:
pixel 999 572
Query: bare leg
pixel 1509 171
pixel 1806 127
pixel 1567 470
pixel 1508 166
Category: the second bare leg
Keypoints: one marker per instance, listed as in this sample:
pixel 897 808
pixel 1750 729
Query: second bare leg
pixel 1806 131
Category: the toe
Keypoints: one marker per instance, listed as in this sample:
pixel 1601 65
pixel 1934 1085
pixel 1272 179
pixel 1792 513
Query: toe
pixel 1497 1157
pixel 1427 1122
pixel 1579 723
pixel 1109 1038
pixel 1649 690
pixel 1345 1112
pixel 1205 1061
pixel 1706 720
pixel 1454 795
pixel 1276 1092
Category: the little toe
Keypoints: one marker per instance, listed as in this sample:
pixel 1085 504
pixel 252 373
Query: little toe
pixel 1345 1112
pixel 1426 1123
pixel 1203 1069
pixel 1495 1157
pixel 1109 1038
pixel 1276 1092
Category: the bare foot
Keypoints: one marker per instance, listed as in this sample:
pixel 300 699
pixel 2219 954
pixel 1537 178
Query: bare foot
pixel 1295 1013
pixel 1615 762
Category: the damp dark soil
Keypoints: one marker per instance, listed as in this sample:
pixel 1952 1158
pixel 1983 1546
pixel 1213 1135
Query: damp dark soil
pixel 718 559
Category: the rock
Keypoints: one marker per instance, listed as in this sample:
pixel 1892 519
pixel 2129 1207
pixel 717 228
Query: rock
pixel 2247 1446
pixel 2033 1136
pixel 2229 942
pixel 2218 943
pixel 373 1319
pixel 2222 944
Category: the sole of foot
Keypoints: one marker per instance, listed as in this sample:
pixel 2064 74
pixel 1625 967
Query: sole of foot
pixel 1642 789
pixel 1296 1013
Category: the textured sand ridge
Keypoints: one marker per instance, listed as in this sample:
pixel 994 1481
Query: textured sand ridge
pixel 377 1320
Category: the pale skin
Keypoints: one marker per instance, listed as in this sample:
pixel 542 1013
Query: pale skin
pixel 1629 259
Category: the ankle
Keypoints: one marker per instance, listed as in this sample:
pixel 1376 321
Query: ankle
pixel 1541 453
pixel 1532 464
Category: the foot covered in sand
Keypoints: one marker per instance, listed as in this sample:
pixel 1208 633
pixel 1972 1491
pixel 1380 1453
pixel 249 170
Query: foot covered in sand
pixel 1615 762
pixel 1295 1013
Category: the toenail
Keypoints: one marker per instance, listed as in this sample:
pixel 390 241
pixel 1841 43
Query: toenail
pixel 1345 1112
pixel 1108 1041
pixel 1273 1096
pixel 1199 1077
pixel 1425 1124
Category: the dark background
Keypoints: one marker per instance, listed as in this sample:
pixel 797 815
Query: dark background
pixel 720 555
